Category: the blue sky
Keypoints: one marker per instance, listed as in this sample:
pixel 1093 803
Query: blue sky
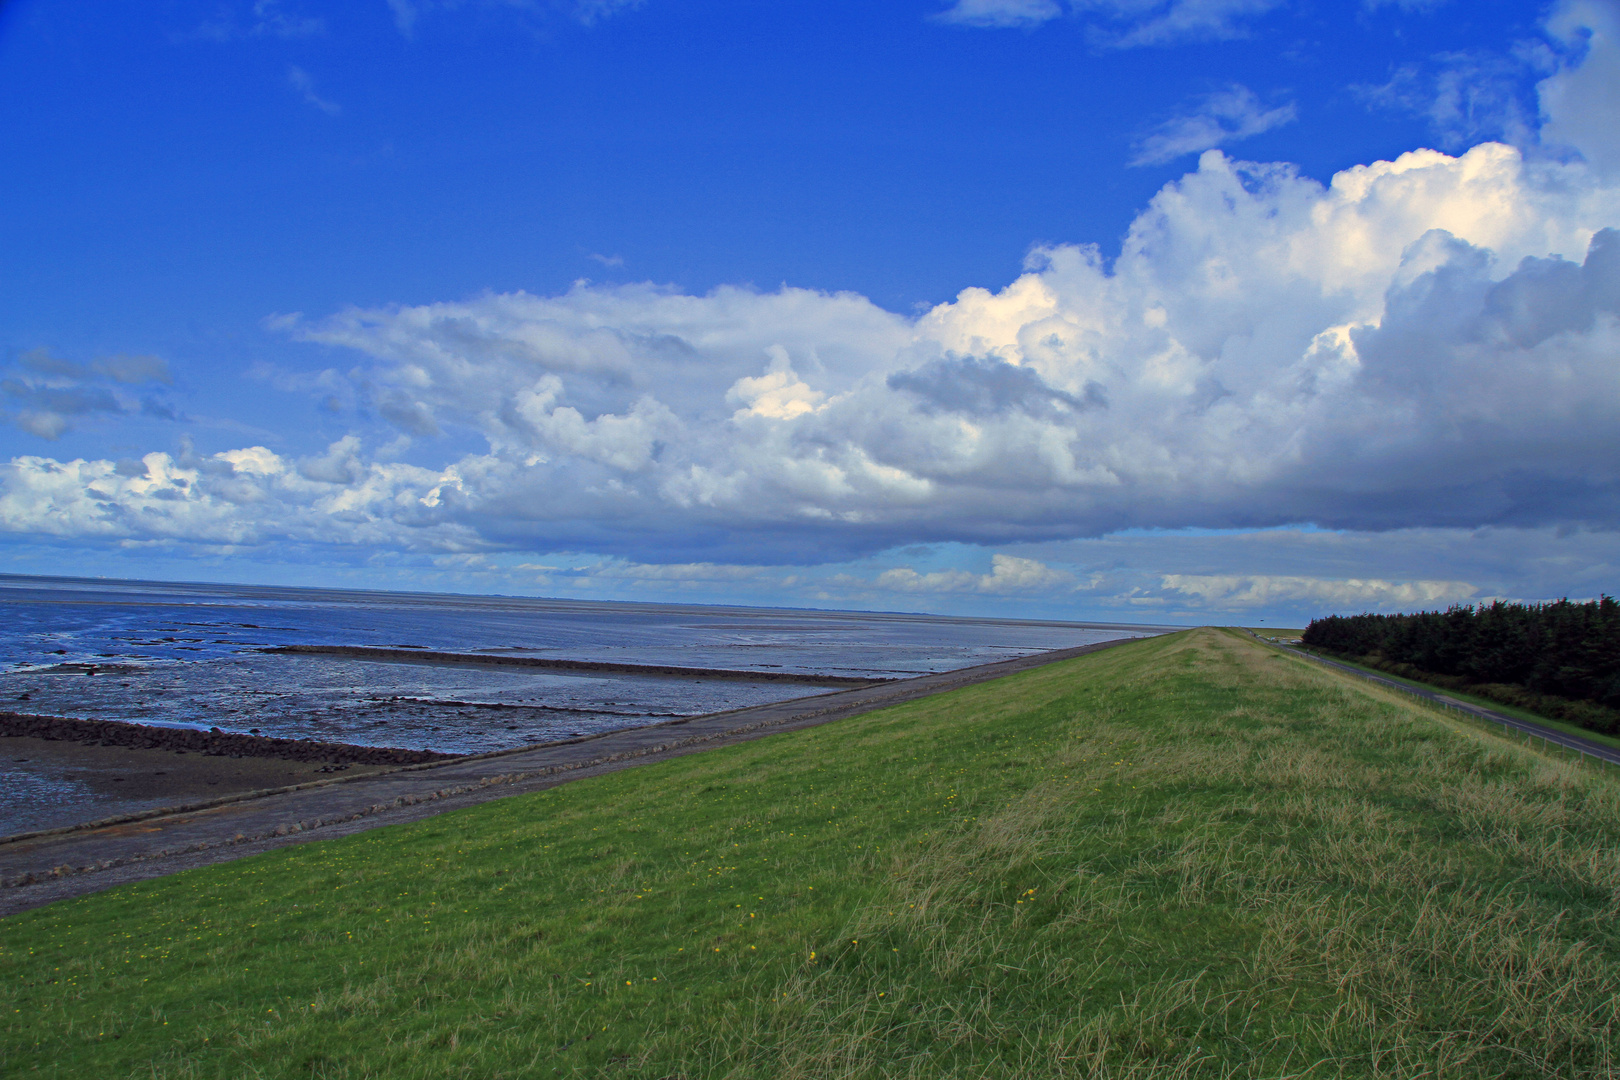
pixel 912 305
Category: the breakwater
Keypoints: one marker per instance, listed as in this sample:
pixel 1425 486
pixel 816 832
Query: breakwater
pixel 661 671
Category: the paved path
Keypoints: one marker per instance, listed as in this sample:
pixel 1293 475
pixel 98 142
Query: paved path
pixel 38 869
pixel 1578 743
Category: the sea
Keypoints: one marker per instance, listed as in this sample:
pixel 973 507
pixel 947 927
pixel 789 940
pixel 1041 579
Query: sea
pixel 191 655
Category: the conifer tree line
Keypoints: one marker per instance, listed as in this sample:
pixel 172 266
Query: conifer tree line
pixel 1559 658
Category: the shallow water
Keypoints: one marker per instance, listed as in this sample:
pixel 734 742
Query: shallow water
pixel 35 799
pixel 186 655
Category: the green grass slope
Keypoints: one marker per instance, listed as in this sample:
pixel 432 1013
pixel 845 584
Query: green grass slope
pixel 1183 857
pixel 1602 738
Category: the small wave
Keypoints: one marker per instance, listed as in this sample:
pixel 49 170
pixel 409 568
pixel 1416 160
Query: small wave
pixel 502 705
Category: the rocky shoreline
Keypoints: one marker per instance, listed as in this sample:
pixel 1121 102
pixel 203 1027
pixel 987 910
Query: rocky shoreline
pixel 214 743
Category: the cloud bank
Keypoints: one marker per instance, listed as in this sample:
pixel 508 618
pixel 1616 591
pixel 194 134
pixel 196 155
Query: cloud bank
pixel 1424 342
pixel 1428 341
pixel 1238 591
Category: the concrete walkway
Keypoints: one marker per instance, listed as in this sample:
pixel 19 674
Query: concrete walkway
pixel 40 868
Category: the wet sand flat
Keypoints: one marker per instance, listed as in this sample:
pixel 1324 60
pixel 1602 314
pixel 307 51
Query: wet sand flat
pixel 105 781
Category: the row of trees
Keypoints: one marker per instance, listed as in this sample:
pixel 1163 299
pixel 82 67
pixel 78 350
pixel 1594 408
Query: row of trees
pixel 1561 650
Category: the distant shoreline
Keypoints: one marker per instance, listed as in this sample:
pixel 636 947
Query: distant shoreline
pixel 429 656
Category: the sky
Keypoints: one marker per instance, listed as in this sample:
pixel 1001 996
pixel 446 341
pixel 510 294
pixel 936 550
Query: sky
pixel 1170 311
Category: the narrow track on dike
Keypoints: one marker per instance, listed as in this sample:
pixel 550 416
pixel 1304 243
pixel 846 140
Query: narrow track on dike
pixel 1551 736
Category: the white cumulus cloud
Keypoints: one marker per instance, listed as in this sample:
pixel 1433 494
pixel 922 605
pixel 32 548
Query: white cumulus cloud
pixel 1426 341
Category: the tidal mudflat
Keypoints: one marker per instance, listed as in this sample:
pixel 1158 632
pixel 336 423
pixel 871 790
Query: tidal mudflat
pixel 201 657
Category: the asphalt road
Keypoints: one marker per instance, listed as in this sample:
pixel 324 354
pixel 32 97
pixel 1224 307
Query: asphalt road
pixel 1577 743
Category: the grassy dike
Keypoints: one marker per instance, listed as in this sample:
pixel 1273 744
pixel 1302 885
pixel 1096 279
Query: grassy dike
pixel 1188 856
